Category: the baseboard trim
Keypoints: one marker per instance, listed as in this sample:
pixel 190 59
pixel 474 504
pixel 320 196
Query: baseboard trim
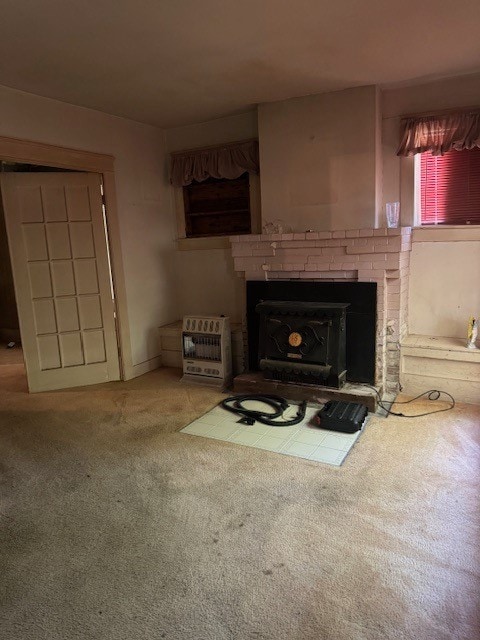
pixel 143 367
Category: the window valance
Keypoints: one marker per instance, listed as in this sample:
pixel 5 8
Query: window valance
pixel 226 161
pixel 440 133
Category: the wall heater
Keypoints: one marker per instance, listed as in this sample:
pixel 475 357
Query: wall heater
pixel 207 350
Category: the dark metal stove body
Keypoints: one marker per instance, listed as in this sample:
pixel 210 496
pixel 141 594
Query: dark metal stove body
pixel 303 342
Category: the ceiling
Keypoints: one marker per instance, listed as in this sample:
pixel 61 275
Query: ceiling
pixel 175 62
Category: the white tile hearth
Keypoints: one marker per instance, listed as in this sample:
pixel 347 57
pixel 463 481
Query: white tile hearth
pixel 302 440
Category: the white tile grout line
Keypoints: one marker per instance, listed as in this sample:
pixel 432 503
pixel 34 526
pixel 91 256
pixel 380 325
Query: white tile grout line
pixel 271 432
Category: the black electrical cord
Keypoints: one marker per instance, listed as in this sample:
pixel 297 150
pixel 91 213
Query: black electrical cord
pixel 431 394
pixel 234 404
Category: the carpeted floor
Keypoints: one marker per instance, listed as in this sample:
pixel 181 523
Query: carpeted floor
pixel 117 527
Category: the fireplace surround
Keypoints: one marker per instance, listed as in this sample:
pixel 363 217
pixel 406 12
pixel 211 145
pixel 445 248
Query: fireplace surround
pixel 369 256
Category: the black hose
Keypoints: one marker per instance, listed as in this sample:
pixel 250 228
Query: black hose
pixel 250 416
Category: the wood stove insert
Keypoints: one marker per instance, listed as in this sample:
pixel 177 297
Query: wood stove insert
pixel 360 319
pixel 303 342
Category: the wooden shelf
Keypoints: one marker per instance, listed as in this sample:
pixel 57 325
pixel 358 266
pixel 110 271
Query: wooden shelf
pixel 440 347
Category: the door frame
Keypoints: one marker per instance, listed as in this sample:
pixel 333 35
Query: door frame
pixel 42 154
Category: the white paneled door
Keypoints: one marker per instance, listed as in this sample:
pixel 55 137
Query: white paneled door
pixel 61 272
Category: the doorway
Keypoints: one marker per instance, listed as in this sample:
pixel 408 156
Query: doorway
pixel 81 346
pixel 11 354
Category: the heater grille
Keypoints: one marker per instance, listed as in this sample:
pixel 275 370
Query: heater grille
pixel 207 351
pixel 202 347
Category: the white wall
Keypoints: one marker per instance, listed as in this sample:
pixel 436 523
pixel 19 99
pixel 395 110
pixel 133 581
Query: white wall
pixel 318 160
pixel 444 270
pixel 144 206
pixel 243 126
pixel 444 289
pixel 209 284
pixel 208 281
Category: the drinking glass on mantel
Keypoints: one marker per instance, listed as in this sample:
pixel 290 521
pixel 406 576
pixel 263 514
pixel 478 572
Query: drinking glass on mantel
pixel 392 210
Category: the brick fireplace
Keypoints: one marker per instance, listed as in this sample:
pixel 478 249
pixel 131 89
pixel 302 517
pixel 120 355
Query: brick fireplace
pixel 359 255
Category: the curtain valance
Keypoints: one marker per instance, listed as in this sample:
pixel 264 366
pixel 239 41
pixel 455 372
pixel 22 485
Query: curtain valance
pixel 226 161
pixel 440 133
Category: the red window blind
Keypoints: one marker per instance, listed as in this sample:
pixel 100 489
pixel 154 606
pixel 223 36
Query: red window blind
pixel 450 187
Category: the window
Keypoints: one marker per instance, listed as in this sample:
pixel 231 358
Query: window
pixel 217 207
pixel 450 187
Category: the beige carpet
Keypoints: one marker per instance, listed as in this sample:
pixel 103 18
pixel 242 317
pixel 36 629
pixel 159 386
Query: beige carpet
pixel 117 527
